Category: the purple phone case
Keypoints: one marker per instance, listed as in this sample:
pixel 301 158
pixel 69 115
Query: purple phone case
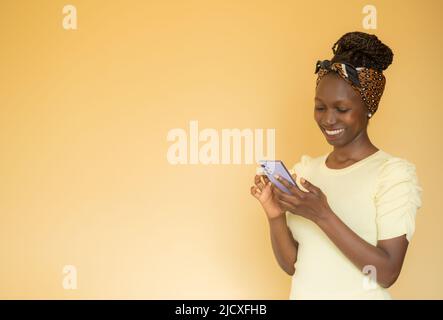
pixel 277 167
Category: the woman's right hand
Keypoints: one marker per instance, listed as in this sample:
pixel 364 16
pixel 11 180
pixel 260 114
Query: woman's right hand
pixel 263 191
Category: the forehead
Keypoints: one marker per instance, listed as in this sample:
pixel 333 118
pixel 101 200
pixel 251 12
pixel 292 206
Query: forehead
pixel 333 88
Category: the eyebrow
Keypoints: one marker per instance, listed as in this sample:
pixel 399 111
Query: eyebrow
pixel 336 101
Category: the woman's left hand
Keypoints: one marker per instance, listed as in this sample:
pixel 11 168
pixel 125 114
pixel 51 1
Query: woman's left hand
pixel 312 205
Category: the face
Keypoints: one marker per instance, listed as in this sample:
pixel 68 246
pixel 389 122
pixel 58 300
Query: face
pixel 339 111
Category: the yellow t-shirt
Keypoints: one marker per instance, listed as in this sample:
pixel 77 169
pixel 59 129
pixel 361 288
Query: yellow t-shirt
pixel 376 197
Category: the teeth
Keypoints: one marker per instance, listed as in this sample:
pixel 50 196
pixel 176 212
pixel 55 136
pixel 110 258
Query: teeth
pixel 334 132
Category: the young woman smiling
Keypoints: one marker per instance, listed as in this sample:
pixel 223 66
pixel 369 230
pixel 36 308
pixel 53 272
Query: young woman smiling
pixel 345 232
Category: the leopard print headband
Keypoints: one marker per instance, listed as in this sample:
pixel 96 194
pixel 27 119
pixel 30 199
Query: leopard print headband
pixel 369 83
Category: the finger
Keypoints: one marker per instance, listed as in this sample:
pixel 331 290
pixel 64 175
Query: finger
pixel 267 188
pixel 286 183
pixel 262 179
pixel 277 191
pixel 265 179
pixel 295 190
pixel 285 205
pixel 258 182
pixel 292 199
pixel 309 186
pixel 288 207
pixel 255 192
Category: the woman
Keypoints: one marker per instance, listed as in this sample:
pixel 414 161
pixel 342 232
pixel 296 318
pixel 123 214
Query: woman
pixel 345 232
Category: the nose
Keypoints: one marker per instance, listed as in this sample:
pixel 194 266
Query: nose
pixel 329 118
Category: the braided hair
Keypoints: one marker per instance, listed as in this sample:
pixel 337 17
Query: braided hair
pixel 362 50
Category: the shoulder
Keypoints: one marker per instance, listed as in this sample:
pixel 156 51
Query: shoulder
pixel 397 176
pixel 396 168
pixel 397 198
pixel 305 163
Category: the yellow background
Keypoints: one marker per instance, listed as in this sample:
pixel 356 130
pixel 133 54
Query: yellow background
pixel 83 122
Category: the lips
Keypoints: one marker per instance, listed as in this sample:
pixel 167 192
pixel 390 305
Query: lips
pixel 334 133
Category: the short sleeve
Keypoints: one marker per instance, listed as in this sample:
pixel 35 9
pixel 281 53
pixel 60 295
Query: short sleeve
pixel 299 166
pixel 397 199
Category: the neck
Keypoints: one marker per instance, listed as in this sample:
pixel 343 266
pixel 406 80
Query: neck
pixel 359 148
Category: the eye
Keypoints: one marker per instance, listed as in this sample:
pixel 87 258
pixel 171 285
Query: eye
pixel 341 110
pixel 319 108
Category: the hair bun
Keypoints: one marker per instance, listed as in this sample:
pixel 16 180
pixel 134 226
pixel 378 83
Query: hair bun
pixel 362 50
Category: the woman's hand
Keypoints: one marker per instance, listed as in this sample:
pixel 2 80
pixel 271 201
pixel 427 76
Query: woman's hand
pixel 312 205
pixel 263 191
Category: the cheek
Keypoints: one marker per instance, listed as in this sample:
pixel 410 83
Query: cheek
pixel 352 119
pixel 317 116
pixel 354 124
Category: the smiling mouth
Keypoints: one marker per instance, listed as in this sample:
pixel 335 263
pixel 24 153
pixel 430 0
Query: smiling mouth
pixel 333 133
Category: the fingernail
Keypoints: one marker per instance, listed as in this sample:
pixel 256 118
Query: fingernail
pixel 276 176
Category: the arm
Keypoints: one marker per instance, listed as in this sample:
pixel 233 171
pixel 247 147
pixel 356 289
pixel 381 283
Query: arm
pixel 283 244
pixel 387 257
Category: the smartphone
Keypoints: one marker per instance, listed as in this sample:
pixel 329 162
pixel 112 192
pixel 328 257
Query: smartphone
pixel 277 167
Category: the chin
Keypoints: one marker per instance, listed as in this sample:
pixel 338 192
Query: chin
pixel 332 143
pixel 338 143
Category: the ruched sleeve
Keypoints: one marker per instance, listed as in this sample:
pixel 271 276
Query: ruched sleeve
pixel 303 163
pixel 397 199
